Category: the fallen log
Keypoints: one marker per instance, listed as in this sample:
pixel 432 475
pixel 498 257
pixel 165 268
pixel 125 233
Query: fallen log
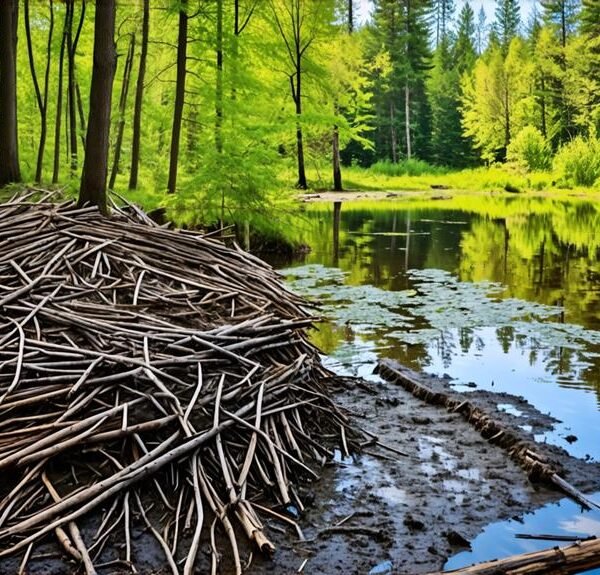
pixel 522 452
pixel 566 560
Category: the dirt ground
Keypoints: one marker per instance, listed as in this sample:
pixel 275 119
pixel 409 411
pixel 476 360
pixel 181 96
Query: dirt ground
pixel 413 510
pixel 417 510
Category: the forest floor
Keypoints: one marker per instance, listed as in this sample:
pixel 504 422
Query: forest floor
pixel 419 509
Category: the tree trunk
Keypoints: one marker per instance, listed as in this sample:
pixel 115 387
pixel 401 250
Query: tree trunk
pixel 543 106
pixel 407 118
pixel 41 98
pixel 179 97
pixel 139 96
pixel 337 171
pixel 219 80
pixel 122 109
pixel 95 167
pixel 302 184
pixel 393 136
pixel 59 99
pixel 72 89
pixel 81 114
pixel 350 16
pixel 9 144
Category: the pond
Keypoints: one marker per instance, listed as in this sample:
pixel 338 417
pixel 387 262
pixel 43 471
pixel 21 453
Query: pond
pixel 496 293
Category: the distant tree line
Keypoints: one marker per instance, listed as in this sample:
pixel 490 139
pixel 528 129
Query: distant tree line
pixel 211 102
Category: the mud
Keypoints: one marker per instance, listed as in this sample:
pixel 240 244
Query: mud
pixel 417 510
pixel 413 510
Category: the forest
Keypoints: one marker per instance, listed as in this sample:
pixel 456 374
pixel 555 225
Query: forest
pixel 217 110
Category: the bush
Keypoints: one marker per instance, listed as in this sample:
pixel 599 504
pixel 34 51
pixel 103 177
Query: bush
pixel 412 167
pixel 530 150
pixel 578 161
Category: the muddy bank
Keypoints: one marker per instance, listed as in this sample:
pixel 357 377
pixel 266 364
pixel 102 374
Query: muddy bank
pixel 417 510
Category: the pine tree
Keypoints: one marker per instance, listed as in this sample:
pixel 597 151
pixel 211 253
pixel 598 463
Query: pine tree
pixel 401 29
pixel 481 30
pixel 444 12
pixel 562 15
pixel 507 23
pixel 464 50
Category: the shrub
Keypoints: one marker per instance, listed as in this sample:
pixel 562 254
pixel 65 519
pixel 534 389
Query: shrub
pixel 530 150
pixel 412 167
pixel 578 161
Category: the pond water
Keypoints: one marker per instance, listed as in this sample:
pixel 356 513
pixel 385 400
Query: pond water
pixel 496 293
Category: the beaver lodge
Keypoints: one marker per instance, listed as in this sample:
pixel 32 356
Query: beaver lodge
pixel 149 376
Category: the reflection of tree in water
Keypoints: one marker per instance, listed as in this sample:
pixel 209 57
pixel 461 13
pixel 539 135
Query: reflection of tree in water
pixel 465 338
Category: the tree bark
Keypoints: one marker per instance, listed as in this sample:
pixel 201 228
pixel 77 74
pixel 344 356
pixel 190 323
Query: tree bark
pixel 95 167
pixel 393 136
pixel 407 118
pixel 9 144
pixel 302 183
pixel 179 97
pixel 122 109
pixel 139 97
pixel 59 99
pixel 219 81
pixel 337 171
pixel 71 85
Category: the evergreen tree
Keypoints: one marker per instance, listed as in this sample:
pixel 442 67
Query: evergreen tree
pixel 562 15
pixel 481 30
pixel 508 20
pixel 401 30
pixel 464 49
pixel 449 146
pixel 443 11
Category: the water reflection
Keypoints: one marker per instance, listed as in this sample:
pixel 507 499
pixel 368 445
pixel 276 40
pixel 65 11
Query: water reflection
pixel 501 539
pixel 508 335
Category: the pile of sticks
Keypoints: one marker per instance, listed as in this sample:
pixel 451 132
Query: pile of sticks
pixel 152 376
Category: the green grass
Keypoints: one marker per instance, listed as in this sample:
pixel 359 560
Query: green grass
pixel 476 179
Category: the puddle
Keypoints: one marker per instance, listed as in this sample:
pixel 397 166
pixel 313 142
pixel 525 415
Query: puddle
pixel 510 409
pixel 500 539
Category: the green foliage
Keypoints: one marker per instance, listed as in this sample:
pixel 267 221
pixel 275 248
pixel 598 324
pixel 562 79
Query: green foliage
pixel 578 161
pixel 412 167
pixel 530 149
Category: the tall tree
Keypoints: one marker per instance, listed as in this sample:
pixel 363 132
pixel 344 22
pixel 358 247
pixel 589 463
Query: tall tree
pixel 481 29
pixel 507 23
pixel 95 167
pixel 401 29
pixel 139 98
pixel 182 40
pixel 449 146
pixel 41 97
pixel 72 42
pixel 562 15
pixel 499 99
pixel 443 13
pixel 9 144
pixel 122 110
pixel 59 96
pixel 299 24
